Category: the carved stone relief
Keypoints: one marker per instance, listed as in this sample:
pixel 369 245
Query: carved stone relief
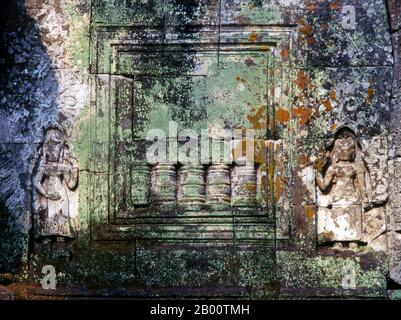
pixel 375 156
pixel 192 187
pixel 55 186
pixel 72 94
pixel 353 192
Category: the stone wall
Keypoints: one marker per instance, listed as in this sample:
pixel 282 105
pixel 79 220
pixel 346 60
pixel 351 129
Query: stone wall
pixel 71 67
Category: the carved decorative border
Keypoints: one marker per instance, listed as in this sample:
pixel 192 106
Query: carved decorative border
pixel 107 46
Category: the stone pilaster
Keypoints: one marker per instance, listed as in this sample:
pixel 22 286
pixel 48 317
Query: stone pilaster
pixel 394 210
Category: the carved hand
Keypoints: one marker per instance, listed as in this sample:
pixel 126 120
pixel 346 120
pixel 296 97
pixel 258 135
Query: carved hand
pixel 318 164
pixel 321 161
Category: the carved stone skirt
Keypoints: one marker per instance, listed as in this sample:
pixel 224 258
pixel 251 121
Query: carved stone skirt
pixel 340 223
pixel 54 219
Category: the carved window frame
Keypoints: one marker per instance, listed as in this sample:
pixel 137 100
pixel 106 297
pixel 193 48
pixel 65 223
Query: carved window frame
pixel 107 45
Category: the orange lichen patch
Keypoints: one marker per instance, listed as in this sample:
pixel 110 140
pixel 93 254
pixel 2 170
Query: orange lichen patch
pixel 303 114
pixel 311 7
pixel 300 98
pixel 302 81
pixel 303 160
pixel 282 115
pixel 271 181
pixel 237 78
pixel 260 152
pixel 250 187
pixel 334 5
pixel 318 164
pixel 310 212
pixel 284 53
pixel 327 105
pixel 310 41
pixel 333 127
pixel 253 37
pixel 277 188
pixel 258 120
pixel 264 48
pixel 306 29
pixel 333 94
pixel 30 291
pixel 371 94
pixel 264 184
pixel 326 236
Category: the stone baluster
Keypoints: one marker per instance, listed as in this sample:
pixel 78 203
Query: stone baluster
pixel 243 186
pixel 191 187
pixel 163 184
pixel 218 186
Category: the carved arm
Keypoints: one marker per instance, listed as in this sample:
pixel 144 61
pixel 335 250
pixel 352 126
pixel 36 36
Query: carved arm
pixel 38 180
pixel 324 183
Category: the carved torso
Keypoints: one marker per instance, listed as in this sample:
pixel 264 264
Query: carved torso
pixel 344 190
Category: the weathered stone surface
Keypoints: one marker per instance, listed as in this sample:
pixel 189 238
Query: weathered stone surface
pixel 326 98
pixel 394 294
pixel 375 157
pixel 395 189
pixel 40 3
pixel 305 226
pixel 344 33
pixel 197 266
pixel 324 271
pixel 395 120
pixel 396 36
pixel 394 212
pixel 14 218
pixel 395 256
pixel 292 71
pixel 304 190
pixel 374 229
pixel 6 294
pixel 394 10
